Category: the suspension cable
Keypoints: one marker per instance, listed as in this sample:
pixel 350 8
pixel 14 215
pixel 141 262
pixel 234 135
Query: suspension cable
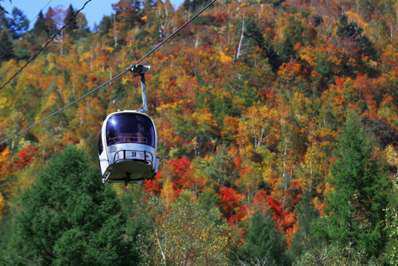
pixel 43 47
pixel 42 9
pixel 104 84
pixel 171 36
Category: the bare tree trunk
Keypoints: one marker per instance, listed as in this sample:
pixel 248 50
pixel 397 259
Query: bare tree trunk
pixel 242 34
pixel 162 33
pixel 196 42
pixel 391 31
pixel 62 42
pixel 115 41
pixel 160 247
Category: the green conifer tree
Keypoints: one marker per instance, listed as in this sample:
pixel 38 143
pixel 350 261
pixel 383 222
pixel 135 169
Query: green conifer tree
pixel 68 218
pixel 19 23
pixel 77 23
pixel 50 21
pixel 193 5
pixel 6 46
pixel 71 20
pixel 105 25
pixel 355 208
pixel 4 21
pixel 307 214
pixel 263 245
pixel 40 28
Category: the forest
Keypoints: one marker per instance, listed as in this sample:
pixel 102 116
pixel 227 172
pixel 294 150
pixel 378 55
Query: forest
pixel 277 123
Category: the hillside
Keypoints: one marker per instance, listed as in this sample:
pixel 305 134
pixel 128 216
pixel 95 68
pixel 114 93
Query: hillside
pixel 277 123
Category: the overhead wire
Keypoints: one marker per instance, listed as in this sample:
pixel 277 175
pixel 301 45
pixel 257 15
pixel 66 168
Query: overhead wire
pixel 43 8
pixel 117 76
pixel 42 48
pixel 189 21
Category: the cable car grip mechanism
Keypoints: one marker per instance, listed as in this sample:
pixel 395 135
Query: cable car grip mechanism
pixel 140 70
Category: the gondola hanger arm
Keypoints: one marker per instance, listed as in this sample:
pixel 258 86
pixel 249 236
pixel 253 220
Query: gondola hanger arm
pixel 108 82
pixel 140 70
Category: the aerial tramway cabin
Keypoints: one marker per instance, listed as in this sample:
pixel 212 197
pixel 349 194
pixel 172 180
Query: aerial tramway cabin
pixel 128 142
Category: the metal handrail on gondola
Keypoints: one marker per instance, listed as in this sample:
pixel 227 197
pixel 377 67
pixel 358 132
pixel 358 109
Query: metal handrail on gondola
pixel 122 155
pixel 147 155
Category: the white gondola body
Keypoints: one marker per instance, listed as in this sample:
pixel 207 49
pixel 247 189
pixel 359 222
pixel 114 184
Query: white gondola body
pixel 127 152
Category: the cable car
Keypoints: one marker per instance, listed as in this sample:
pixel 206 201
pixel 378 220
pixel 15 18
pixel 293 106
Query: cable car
pixel 128 142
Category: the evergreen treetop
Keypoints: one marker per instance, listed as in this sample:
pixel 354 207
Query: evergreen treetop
pixel 69 217
pixel 355 207
pixel 19 23
pixel 264 245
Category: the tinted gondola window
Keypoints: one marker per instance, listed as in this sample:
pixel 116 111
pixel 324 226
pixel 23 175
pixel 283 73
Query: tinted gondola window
pixel 100 148
pixel 130 128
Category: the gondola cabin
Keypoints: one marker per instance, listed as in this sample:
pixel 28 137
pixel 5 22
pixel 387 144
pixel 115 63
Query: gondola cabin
pixel 127 147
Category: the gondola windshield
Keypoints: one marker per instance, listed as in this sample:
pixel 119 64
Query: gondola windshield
pixel 100 147
pixel 130 128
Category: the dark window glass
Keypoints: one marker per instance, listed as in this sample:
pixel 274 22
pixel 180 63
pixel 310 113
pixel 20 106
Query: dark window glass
pixel 100 148
pixel 130 128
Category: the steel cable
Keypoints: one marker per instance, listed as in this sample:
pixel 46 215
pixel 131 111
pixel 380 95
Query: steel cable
pixel 127 69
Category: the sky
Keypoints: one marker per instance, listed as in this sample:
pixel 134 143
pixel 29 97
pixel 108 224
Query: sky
pixel 94 11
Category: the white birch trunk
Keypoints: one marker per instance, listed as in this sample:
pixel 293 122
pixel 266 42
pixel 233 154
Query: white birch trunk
pixel 239 50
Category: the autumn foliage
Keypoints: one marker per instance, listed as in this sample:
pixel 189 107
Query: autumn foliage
pixel 249 103
pixel 26 155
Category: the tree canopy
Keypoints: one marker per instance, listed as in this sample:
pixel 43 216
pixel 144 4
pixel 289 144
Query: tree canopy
pixel 68 217
pixel 277 127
